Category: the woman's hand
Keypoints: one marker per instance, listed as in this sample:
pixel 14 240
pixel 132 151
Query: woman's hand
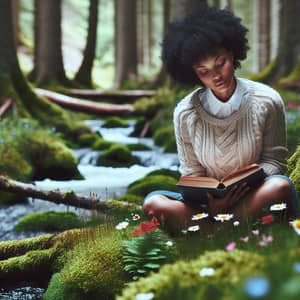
pixel 217 205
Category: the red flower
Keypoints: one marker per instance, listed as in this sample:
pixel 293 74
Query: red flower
pixel 267 219
pixel 146 226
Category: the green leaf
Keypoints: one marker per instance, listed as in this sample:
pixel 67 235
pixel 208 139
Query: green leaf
pixel 142 271
pixel 152 266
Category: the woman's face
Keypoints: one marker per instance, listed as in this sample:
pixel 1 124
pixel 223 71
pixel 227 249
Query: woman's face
pixel 217 73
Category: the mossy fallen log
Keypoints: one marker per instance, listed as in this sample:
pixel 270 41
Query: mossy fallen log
pixel 59 197
pixel 85 105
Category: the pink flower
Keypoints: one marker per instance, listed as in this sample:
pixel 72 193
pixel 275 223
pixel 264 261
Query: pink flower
pixel 262 243
pixel 255 232
pixel 245 239
pixel 231 246
pixel 269 239
pixel 136 217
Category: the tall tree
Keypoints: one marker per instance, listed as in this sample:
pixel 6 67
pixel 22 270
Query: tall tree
pixel 262 33
pixel 84 74
pixel 182 8
pixel 287 63
pixel 126 42
pixel 14 85
pixel 15 19
pixel 48 42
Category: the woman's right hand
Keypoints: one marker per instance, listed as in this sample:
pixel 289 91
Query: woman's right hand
pixel 224 205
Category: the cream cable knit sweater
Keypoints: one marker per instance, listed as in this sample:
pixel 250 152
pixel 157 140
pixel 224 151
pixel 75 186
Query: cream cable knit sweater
pixel 256 133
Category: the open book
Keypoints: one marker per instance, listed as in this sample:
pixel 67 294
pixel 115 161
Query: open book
pixel 195 189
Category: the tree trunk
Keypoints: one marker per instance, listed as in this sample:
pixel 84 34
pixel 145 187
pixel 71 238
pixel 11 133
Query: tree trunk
pixel 15 19
pixel 126 60
pixel 49 62
pixel 140 32
pixel 217 3
pixel 84 74
pixel 183 8
pixel 262 34
pixel 275 27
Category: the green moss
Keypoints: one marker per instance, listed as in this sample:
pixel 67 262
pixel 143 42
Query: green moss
pixel 94 269
pixel 139 126
pixel 182 279
pixel 48 221
pixel 102 144
pixel 151 183
pixel 138 147
pixel 294 168
pixel 132 199
pixel 293 129
pixel 293 76
pixel 165 137
pixel 266 75
pixel 88 139
pixel 20 247
pixel 166 172
pixel 117 156
pixel 119 211
pixel 114 122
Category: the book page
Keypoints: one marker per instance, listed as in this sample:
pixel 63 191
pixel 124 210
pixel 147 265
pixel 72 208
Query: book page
pixel 198 181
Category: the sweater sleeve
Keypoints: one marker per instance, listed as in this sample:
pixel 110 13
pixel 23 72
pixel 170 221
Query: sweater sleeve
pixel 274 152
pixel 189 164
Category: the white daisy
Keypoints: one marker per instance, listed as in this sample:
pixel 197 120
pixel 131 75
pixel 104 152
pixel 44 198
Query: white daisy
pixel 193 228
pixel 223 217
pixel 296 225
pixel 199 216
pixel 204 272
pixel 278 206
pixel 169 243
pixel 122 225
pixel 236 223
pixel 144 296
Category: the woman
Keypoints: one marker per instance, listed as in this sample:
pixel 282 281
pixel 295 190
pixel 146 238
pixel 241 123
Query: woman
pixel 229 123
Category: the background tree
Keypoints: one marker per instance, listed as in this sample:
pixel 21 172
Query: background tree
pixel 183 8
pixel 262 33
pixel 126 42
pixel 84 74
pixel 48 61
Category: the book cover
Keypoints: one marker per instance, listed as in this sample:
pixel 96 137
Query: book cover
pixel 195 189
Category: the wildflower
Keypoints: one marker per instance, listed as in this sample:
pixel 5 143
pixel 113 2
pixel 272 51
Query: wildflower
pixel 193 228
pixel 144 296
pixel 169 243
pixel 204 272
pixel 267 219
pixel 236 223
pixel 223 217
pixel 296 225
pixel 262 243
pixel 245 239
pixel 146 226
pixel 136 217
pixel 257 287
pixel 265 240
pixel 279 206
pixel 199 216
pixel 122 225
pixel 296 267
pixel 184 231
pixel 231 246
pixel 255 232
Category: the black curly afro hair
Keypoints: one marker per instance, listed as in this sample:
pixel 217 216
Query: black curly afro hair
pixel 198 36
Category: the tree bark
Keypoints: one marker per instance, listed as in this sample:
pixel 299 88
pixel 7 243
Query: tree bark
pixel 48 61
pixel 15 19
pixel 55 196
pixel 126 38
pixel 183 8
pixel 262 34
pixel 84 74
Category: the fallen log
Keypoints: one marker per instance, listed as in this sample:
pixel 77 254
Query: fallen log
pixel 85 105
pixel 7 103
pixel 68 198
pixel 125 95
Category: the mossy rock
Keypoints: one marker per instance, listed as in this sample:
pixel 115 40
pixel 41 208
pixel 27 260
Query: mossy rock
pixel 114 122
pixel 93 270
pixel 151 183
pixel 166 172
pixel 294 168
pixel 182 280
pixel 50 157
pixel 165 137
pixel 131 198
pixel 88 139
pixel 138 147
pixel 117 156
pixel 139 126
pixel 293 129
pixel 49 221
pixel 102 144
